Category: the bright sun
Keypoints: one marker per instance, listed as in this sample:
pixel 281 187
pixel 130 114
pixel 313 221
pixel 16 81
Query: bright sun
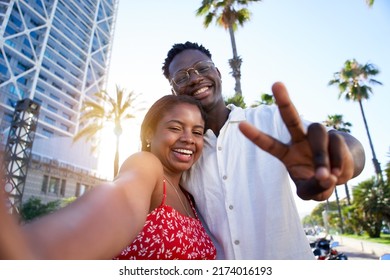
pixel 129 144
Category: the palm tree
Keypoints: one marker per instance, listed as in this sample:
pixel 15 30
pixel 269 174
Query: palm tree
pixel 228 14
pixel 370 3
pixel 237 100
pixel 337 122
pixel 97 115
pixel 352 81
pixel 266 99
pixel 371 205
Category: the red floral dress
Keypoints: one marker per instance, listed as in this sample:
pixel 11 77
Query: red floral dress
pixel 170 235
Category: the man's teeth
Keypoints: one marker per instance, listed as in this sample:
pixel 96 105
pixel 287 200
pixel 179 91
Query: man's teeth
pixel 201 90
pixel 183 151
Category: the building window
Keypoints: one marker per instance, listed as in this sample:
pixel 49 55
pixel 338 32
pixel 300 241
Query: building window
pixel 11 102
pixel 34 35
pixel 52 108
pixel 63 187
pixel 50 120
pixel 40 89
pixel 16 21
pixel 64 127
pixel 58 74
pixel 44 183
pixel 67 104
pixel 66 116
pixel 39 101
pixel 9 31
pixel 55 97
pixel 21 66
pixel 13 90
pixel 47 133
pixel 81 189
pixel 57 86
pixel 42 78
pixel 8 117
pixel 54 185
pixel 3 70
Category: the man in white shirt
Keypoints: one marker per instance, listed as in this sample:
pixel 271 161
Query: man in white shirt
pixel 241 183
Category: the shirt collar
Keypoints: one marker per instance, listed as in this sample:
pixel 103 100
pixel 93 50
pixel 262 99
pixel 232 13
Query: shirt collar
pixel 237 114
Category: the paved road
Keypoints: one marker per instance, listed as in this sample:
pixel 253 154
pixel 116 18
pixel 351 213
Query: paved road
pixel 354 254
pixel 361 250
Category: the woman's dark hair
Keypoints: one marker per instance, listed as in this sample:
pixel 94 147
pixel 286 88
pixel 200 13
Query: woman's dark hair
pixel 159 109
pixel 178 48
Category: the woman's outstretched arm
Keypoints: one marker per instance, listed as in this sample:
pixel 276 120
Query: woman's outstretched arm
pixel 98 225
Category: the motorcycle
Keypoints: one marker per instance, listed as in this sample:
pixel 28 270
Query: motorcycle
pixel 324 249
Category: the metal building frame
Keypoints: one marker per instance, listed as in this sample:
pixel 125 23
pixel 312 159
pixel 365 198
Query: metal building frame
pixel 17 153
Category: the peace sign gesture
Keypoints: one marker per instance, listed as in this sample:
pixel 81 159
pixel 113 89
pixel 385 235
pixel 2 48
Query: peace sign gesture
pixel 317 160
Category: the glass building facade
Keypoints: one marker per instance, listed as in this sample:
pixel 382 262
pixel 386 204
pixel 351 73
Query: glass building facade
pixel 57 53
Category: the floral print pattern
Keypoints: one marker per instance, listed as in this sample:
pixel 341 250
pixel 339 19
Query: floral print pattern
pixel 170 235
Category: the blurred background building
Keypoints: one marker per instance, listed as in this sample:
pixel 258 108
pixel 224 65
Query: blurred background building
pixel 57 54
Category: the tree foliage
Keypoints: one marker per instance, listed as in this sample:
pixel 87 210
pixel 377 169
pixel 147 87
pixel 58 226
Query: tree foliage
pixel 265 99
pixel 354 80
pixel 370 3
pixel 371 201
pixel 237 100
pixel 35 208
pixel 336 121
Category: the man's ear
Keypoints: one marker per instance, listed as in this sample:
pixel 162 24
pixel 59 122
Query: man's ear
pixel 219 73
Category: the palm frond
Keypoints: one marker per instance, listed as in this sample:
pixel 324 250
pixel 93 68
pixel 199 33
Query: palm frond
pixel 88 131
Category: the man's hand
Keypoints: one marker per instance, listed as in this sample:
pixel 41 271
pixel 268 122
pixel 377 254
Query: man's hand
pixel 318 160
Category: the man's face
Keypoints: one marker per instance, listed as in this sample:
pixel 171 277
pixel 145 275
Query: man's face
pixel 206 87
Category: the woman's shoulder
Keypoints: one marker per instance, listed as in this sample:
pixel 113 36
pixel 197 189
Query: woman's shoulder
pixel 141 169
pixel 143 155
pixel 142 160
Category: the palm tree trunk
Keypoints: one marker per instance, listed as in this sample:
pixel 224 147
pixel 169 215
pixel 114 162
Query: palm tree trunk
pixel 235 63
pixel 116 160
pixel 347 193
pixel 339 210
pixel 377 166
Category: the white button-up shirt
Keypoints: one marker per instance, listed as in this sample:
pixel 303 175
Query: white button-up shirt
pixel 243 194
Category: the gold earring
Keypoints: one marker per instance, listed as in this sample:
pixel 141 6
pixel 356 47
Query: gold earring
pixel 147 144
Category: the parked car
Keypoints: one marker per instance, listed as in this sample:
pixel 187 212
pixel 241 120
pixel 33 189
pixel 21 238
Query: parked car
pixel 385 230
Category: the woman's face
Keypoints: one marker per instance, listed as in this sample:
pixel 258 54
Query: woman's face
pixel 178 139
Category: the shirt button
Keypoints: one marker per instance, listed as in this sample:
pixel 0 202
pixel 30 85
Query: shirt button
pixel 219 148
pixel 231 207
pixel 236 242
pixel 224 177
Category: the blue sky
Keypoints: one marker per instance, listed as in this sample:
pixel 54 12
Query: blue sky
pixel 301 43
